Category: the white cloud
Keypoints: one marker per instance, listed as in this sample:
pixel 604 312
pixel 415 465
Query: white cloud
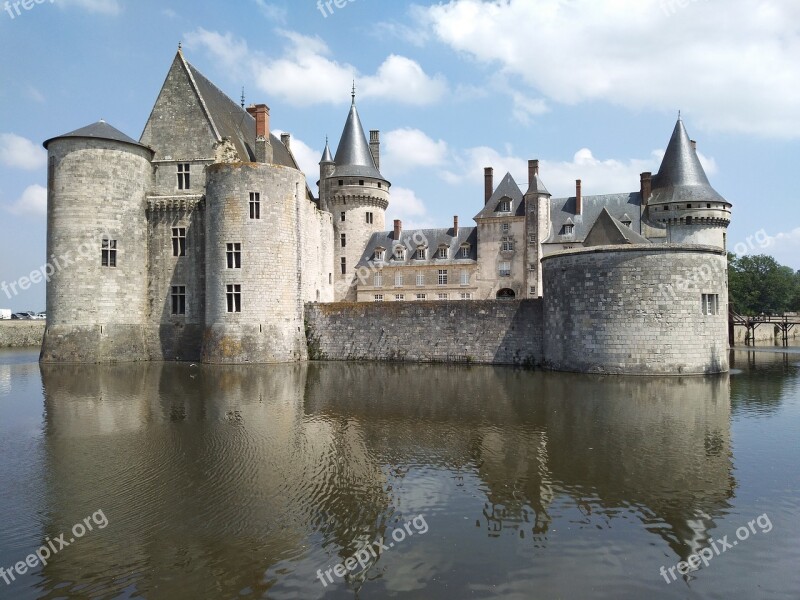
pixel 306 74
pixel 307 157
pixel 273 12
pixel 21 153
pixel 411 148
pixel 737 73
pixel 784 247
pixel 104 7
pixel 406 206
pixel 525 107
pixel 33 202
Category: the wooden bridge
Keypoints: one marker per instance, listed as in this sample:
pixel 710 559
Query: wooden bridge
pixel 785 323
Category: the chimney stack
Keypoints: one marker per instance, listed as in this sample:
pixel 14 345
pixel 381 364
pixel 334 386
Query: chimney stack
pixel 455 226
pixel 260 113
pixel 533 173
pixel 488 176
pixel 646 187
pixel 398 229
pixel 375 147
pixel 286 139
pixel 578 197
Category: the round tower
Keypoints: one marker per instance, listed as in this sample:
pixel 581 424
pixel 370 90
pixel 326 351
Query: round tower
pixel 682 197
pixel 254 271
pixel 354 191
pixel 96 246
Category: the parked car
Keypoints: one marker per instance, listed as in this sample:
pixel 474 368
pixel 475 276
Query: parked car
pixel 41 315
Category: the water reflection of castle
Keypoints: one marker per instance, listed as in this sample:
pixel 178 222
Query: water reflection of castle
pixel 245 470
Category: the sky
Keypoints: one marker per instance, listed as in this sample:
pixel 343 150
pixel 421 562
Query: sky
pixel 591 88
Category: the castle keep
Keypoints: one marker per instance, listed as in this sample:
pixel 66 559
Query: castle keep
pixel 202 241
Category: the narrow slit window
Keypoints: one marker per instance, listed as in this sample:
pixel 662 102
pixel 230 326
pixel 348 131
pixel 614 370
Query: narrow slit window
pixel 255 205
pixel 178 299
pixel 234 298
pixel 184 176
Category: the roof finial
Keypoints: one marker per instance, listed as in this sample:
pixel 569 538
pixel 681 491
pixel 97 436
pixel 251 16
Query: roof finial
pixel 354 91
pixel 242 96
pixel 679 114
pixel 180 47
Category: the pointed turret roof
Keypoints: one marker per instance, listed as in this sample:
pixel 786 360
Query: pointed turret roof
pixel 326 156
pixel 507 189
pixel 681 177
pixel 100 131
pixel 353 157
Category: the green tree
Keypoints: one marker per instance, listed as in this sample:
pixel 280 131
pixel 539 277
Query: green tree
pixel 759 284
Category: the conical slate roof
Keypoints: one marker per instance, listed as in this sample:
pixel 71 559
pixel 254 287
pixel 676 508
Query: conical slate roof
pixel 537 187
pixel 681 177
pixel 100 131
pixel 353 157
pixel 326 156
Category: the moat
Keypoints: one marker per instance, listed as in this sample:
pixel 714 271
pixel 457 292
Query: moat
pixel 252 481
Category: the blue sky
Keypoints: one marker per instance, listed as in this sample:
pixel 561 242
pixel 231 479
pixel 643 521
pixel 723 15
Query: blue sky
pixel 592 88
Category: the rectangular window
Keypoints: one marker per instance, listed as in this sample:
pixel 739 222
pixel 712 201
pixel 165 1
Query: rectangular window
pixel 532 239
pixel 466 295
pixel 420 254
pixel 341 182
pixel 398 279
pixel 344 266
pixel 422 296
pixel 255 205
pixel 533 290
pixel 378 297
pixel 234 297
pixel 378 279
pixel 420 279
pixel 234 255
pixel 442 297
pixel 184 176
pixel 343 239
pixel 465 252
pixel 710 304
pixel 507 246
pixel 109 253
pixel 531 267
pixel 369 217
pixel 342 216
pixel 360 182
pixel 399 297
pixel 505 269
pixel 442 276
pixel 178 241
pixel 464 277
pixel 506 227
pixel 178 299
pixel 442 252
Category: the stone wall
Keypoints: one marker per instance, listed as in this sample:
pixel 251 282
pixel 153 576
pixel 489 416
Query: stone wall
pixel 21 334
pixel 485 331
pixel 629 309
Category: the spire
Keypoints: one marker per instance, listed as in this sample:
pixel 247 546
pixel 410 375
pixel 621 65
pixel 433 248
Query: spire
pixel 326 156
pixel 681 176
pixel 353 94
pixel 353 156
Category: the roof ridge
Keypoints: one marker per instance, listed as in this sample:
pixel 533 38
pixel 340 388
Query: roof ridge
pixel 188 67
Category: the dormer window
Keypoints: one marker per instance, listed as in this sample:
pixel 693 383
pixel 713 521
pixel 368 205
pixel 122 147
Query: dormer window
pixel 569 229
pixel 504 205
pixel 399 252
pixel 380 254
pixel 464 253
pixel 443 252
pixel 421 253
pixel 626 220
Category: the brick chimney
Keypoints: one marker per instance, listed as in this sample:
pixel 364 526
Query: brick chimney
pixel 488 188
pixel 375 147
pixel 398 229
pixel 578 197
pixel 286 140
pixel 455 226
pixel 260 113
pixel 646 187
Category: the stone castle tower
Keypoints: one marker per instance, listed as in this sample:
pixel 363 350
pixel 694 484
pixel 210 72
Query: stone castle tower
pixel 352 188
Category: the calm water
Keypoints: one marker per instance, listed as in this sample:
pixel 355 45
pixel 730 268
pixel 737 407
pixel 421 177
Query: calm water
pixel 243 482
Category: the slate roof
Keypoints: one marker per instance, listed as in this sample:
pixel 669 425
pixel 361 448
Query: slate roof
pixel 608 231
pixel 434 237
pixel 353 156
pixel 326 155
pixel 507 188
pixel 101 131
pixel 617 205
pixel 681 177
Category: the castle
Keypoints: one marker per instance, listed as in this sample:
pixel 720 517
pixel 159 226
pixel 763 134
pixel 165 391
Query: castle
pixel 202 241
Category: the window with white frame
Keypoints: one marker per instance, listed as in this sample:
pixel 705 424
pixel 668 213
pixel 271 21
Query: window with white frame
pixel 442 296
pixel 398 279
pixel 399 252
pixel 378 297
pixel 507 246
pixel 442 276
pixel 505 269
pixel 233 254
pixel 420 279
pixel 420 254
pixel 569 229
pixel 466 295
pixel 533 290
pixel 422 296
pixel 710 304
pixel 233 296
pixel 505 227
pixel 108 253
pixel 178 241
pixel 380 253
pixel 443 252
pixel 184 176
pixel 377 280
pixel 399 297
pixel 464 251
pixel 504 206
pixel 255 205
pixel 464 277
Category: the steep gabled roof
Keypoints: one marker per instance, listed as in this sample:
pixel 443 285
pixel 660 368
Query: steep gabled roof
pixel 681 177
pixel 608 231
pixel 353 156
pixel 507 188
pixel 562 211
pixel 434 239
pixel 101 131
